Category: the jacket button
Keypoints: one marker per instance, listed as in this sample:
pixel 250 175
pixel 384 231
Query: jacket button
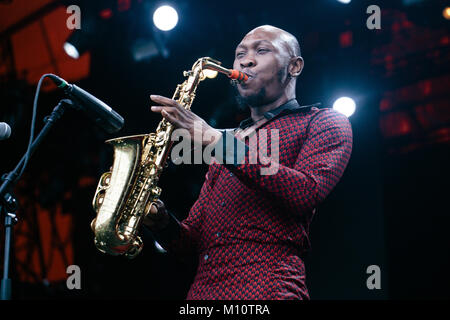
pixel 218 234
pixel 205 257
pixel 231 174
pixel 222 204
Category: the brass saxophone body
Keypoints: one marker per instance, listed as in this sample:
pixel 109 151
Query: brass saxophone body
pixel 124 195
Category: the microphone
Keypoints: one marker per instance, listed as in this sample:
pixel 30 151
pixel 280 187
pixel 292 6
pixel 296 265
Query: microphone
pixel 102 114
pixel 5 131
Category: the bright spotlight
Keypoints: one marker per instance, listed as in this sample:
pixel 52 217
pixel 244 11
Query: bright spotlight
pixel 446 13
pixel 345 106
pixel 344 1
pixel 71 50
pixel 76 44
pixel 165 18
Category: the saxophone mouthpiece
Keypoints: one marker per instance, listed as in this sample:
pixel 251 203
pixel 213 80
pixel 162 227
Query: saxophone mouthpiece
pixel 238 75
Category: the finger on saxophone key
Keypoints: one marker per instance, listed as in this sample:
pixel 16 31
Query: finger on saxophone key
pixel 157 216
pixel 153 209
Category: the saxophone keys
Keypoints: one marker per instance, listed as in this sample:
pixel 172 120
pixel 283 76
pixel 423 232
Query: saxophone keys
pixel 153 170
pixel 98 199
pixel 156 191
pixel 142 198
pixel 105 180
pixel 187 99
pixel 147 208
pixel 135 248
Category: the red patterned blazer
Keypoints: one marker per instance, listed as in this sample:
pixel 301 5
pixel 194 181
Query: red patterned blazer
pixel 250 229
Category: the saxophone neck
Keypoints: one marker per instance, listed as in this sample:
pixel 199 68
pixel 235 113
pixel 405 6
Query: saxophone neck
pixel 207 67
pixel 215 65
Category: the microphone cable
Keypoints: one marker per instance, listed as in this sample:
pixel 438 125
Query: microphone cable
pixel 33 125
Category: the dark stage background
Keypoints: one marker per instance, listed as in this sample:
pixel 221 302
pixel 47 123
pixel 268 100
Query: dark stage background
pixel 390 208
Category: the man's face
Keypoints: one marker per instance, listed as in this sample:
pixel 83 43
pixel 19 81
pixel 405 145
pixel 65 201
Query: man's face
pixel 264 57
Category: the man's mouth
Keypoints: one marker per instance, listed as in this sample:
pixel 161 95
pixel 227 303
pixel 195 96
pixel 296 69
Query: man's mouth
pixel 250 76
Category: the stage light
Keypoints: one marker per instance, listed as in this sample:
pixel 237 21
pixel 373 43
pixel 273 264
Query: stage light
pixel 76 44
pixel 344 1
pixel 71 50
pixel 446 13
pixel 345 105
pixel 165 18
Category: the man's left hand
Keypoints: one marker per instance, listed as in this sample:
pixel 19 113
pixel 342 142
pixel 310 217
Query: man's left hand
pixel 180 117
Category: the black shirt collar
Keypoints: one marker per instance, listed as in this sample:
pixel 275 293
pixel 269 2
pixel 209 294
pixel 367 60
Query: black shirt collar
pixel 290 106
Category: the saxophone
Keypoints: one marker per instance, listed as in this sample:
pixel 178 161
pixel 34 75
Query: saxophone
pixel 124 195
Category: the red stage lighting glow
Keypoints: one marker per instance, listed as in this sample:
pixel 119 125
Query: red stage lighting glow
pixel 106 13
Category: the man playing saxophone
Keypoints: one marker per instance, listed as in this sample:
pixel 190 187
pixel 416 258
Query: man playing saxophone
pixel 249 228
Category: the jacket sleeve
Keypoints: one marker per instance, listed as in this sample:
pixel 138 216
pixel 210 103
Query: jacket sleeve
pixel 182 238
pixel 319 165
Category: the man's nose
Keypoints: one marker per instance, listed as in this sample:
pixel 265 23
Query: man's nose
pixel 248 62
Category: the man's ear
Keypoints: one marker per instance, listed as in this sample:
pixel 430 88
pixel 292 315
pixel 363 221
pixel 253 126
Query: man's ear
pixel 295 66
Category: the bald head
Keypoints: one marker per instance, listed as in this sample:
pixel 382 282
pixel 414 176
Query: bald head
pixel 285 38
pixel 271 58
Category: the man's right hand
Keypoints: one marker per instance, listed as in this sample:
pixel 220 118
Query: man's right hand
pixel 158 217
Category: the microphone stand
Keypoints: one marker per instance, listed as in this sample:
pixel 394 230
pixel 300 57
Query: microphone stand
pixel 9 204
